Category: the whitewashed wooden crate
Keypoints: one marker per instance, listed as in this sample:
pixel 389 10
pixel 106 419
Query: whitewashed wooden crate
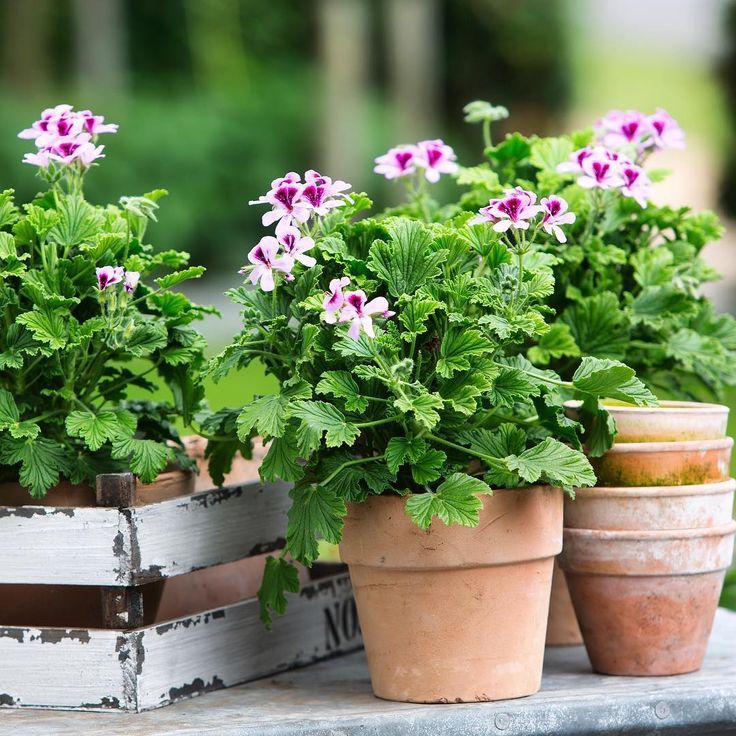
pixel 121 547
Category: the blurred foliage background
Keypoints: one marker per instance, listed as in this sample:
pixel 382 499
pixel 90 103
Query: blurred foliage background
pixel 215 98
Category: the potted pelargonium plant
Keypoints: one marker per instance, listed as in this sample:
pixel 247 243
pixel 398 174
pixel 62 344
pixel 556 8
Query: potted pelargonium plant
pixel 416 432
pixel 82 326
pixel 626 288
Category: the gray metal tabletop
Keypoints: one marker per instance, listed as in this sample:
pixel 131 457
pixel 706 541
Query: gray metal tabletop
pixel 334 699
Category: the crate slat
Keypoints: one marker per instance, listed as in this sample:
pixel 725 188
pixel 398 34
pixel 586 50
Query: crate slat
pixel 153 666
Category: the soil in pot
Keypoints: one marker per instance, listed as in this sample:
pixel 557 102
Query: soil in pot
pixel 646 600
pixel 562 626
pixel 664 463
pixel 454 614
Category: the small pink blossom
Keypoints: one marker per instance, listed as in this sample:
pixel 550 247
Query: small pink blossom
pixel 435 158
pixel 285 200
pixel 131 281
pixel 265 259
pixel 295 246
pixel 575 164
pixel 600 170
pixel 664 131
pixel 95 124
pixel 620 129
pixel 108 276
pixel 636 184
pixel 556 214
pixel 41 127
pixel 76 148
pixel 321 194
pixel 42 159
pixel 334 299
pixel 397 162
pixel 359 312
pixel 513 210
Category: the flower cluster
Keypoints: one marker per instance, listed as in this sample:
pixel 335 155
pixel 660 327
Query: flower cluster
pixel 598 167
pixel 518 207
pixel 65 136
pixel 433 157
pixel 292 203
pixel 110 275
pixel 353 307
pixel 634 129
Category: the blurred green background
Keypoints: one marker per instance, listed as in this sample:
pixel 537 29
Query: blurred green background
pixel 215 98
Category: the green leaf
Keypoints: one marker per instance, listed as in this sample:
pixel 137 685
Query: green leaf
pixel 557 343
pixel 600 429
pixel 424 407
pixel 360 348
pixel 47 325
pixel 315 512
pixel 598 326
pixel 42 462
pixel 172 279
pixel 145 338
pixel 281 460
pixel 267 414
pixel 548 153
pixel 554 463
pixel 400 450
pixel 457 346
pixel 78 220
pixel 323 417
pixel 146 458
pixel 341 385
pixel 654 303
pixel 428 466
pixel 407 261
pixel 414 314
pixel 454 502
pixel 512 385
pixel 279 577
pixel 611 379
pixel 94 429
pixel 481 176
pixel 9 413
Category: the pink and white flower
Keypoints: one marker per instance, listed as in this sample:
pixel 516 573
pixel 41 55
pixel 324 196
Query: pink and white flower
pixel 42 158
pixel 131 281
pixel 285 200
pixel 95 124
pixel 513 210
pixel 620 129
pixel 636 184
pixel 334 299
pixel 575 164
pixel 265 259
pixel 397 162
pixel 435 158
pixel 556 214
pixel 295 246
pixel 600 170
pixel 109 276
pixel 76 148
pixel 321 194
pixel 664 131
pixel 41 127
pixel 360 312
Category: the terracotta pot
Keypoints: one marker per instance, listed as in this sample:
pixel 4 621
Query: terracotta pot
pixel 664 463
pixel 656 507
pixel 454 614
pixel 646 600
pixel 562 626
pixel 670 421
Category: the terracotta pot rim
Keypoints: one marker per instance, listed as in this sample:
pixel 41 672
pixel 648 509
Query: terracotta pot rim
pixel 723 443
pixel 668 407
pixel 655 535
pixel 700 489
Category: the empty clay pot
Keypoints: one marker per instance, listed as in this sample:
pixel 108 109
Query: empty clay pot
pixel 670 421
pixel 655 507
pixel 562 626
pixel 454 614
pixel 664 463
pixel 646 600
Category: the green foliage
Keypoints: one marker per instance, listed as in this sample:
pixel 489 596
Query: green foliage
pixel 70 352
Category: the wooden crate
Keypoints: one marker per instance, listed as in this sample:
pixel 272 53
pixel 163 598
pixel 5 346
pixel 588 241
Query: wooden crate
pixel 123 548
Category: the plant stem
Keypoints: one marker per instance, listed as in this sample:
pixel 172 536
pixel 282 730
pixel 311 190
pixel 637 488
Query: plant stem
pixel 378 422
pixel 487 142
pixel 347 464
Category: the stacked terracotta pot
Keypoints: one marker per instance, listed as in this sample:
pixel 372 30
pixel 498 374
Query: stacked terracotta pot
pixel 645 553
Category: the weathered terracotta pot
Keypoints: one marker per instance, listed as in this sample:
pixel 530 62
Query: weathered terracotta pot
pixel 670 421
pixel 454 614
pixel 651 508
pixel 690 462
pixel 562 626
pixel 646 600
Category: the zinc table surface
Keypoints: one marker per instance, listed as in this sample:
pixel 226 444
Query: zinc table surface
pixel 334 698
